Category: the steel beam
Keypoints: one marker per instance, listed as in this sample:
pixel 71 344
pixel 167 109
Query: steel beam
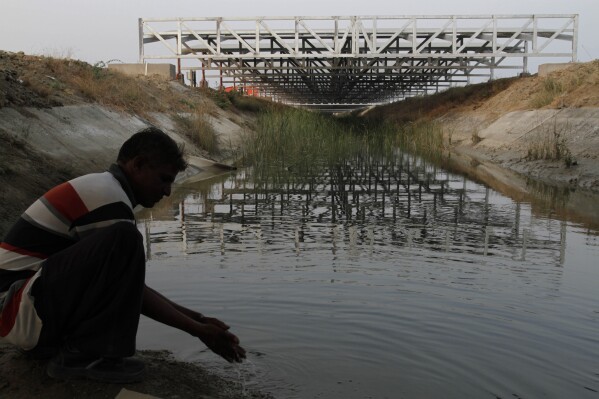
pixel 356 60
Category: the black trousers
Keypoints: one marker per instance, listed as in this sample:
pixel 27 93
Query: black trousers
pixel 89 296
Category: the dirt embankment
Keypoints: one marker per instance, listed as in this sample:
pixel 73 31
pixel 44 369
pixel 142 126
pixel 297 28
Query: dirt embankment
pixel 62 118
pixel 545 128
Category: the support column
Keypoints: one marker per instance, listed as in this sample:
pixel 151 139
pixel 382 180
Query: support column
pixel 141 39
pixel 575 40
pixel 203 83
pixel 221 87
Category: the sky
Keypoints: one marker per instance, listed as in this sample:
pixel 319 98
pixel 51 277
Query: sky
pixel 104 30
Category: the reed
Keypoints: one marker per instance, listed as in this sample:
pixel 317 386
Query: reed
pixel 424 138
pixel 295 142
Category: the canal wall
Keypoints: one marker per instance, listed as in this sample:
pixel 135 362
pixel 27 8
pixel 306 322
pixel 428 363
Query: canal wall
pixel 42 147
pixel 544 127
pixel 88 136
pixel 507 142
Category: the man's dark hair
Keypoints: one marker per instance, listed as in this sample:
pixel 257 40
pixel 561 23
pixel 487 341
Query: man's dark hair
pixel 156 145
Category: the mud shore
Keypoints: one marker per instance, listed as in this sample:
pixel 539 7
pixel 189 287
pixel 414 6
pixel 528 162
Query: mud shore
pixel 165 378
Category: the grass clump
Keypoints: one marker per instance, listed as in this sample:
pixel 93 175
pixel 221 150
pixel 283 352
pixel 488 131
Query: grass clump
pixel 220 97
pixel 248 103
pixel 550 89
pixel 95 83
pixel 550 146
pixel 197 128
pixel 236 99
pixel 290 144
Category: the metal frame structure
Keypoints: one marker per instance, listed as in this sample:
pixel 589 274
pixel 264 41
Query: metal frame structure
pixel 353 61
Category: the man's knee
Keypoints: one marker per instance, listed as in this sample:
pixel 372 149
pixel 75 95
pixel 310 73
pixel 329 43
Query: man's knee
pixel 119 243
pixel 126 241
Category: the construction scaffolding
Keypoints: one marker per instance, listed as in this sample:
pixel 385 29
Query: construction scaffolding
pixel 348 62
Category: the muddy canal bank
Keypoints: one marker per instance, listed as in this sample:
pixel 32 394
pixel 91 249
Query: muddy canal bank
pixel 499 156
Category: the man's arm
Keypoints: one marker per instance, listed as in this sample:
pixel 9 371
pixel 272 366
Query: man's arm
pixel 197 316
pixel 213 335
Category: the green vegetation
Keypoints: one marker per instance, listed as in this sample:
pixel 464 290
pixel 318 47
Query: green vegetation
pixel 248 103
pixel 294 138
pixel 235 99
pixel 298 141
pixel 424 138
pixel 220 97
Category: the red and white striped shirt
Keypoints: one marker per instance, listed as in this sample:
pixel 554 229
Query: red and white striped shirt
pixel 57 220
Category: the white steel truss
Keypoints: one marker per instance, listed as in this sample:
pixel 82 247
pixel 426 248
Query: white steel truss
pixel 345 62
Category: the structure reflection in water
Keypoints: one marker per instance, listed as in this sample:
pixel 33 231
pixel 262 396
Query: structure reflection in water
pixel 360 205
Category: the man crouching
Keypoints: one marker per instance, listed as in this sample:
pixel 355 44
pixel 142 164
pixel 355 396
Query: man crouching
pixel 72 270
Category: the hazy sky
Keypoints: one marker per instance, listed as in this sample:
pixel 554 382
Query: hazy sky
pixel 103 30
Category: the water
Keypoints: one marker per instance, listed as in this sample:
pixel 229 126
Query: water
pixel 391 280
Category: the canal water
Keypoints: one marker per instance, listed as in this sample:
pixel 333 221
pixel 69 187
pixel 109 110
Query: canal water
pixel 380 279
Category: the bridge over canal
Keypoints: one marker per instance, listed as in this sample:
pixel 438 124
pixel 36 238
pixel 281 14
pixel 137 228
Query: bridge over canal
pixel 345 62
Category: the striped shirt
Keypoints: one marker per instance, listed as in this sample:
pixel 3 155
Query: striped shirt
pixel 57 220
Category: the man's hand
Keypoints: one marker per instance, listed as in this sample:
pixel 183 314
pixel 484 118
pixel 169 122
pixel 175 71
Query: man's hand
pixel 210 330
pixel 222 342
